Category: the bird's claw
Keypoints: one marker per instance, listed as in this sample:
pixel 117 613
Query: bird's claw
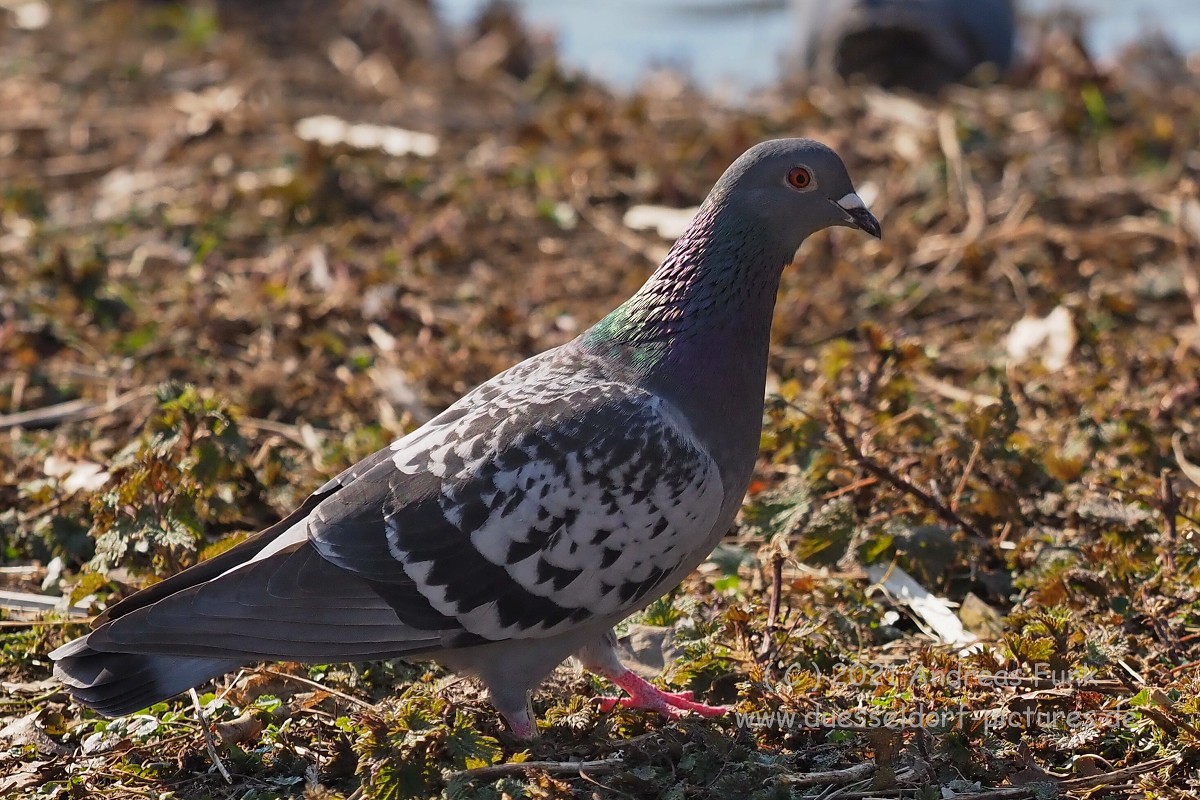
pixel 645 695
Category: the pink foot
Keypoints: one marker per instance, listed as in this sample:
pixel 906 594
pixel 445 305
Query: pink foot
pixel 523 729
pixel 645 695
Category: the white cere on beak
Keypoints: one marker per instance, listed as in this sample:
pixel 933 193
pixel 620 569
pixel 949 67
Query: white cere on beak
pixel 852 202
pixel 858 215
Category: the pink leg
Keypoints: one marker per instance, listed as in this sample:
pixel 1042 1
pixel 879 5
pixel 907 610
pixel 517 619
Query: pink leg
pixel 518 714
pixel 522 727
pixel 645 695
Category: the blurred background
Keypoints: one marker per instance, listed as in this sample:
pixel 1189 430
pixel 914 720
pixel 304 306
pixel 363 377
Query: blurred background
pixel 728 44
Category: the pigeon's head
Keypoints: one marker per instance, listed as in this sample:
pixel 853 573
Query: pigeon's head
pixel 794 187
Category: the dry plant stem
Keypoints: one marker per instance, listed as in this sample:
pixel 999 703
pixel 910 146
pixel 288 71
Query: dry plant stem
pixel 1191 283
pixel 290 432
pixel 1163 717
pixel 49 508
pixel 1170 509
pixel 495 771
pixel 962 482
pixel 1111 687
pixel 936 248
pixel 883 473
pixel 773 606
pixel 31 603
pixel 319 687
pixel 952 392
pixel 208 738
pixel 862 483
pixel 608 789
pixel 1178 721
pixel 83 409
pixel 835 777
pixel 29 571
pixel 1109 778
pixel 956 187
pixel 70 411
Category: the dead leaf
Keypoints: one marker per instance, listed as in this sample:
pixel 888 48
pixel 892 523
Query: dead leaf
pixel 933 613
pixel 75 476
pixel 1053 336
pixel 235 731
pixel 27 730
pixel 27 775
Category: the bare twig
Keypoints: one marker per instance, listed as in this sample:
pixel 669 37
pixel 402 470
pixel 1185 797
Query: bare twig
pixel 773 607
pixel 833 777
pixel 30 602
pixel 321 687
pixel 208 738
pixel 883 473
pixel 1033 791
pixel 956 184
pixel 295 433
pixel 952 392
pixel 962 482
pixel 1183 233
pixel 36 623
pixel 491 773
pixel 1170 508
pixel 1117 775
pixel 854 486
pixel 48 416
pixel 26 571
pixel 70 411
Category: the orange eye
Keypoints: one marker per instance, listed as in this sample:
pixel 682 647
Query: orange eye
pixel 799 178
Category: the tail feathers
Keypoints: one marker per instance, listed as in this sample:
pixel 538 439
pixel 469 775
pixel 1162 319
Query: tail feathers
pixel 115 684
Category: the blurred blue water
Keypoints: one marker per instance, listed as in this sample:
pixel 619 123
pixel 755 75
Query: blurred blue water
pixel 742 42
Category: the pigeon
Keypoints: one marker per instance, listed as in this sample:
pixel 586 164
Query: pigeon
pixel 514 529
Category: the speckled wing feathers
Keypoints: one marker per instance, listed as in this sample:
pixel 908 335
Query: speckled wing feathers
pixel 549 496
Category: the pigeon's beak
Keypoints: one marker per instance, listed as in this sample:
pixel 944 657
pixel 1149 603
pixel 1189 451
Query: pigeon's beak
pixel 858 216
